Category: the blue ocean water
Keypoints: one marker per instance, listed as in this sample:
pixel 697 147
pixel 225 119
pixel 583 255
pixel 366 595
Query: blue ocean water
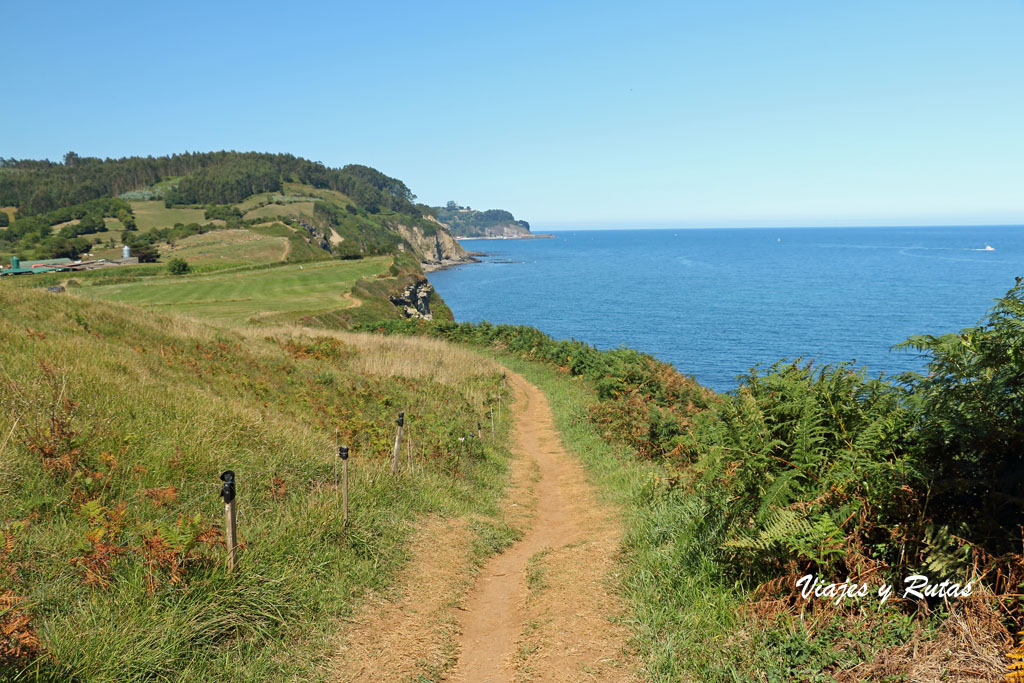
pixel 716 302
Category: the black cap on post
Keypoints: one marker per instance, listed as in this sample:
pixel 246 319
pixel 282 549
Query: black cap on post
pixel 401 418
pixel 343 452
pixel 227 491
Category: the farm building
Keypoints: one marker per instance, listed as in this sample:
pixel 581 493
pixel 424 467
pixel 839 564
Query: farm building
pixel 40 266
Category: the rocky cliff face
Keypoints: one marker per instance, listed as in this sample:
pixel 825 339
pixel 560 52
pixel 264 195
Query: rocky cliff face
pixel 317 236
pixel 434 251
pixel 415 300
pixel 505 230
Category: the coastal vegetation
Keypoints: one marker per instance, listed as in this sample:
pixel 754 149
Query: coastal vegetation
pixel 803 470
pixel 115 426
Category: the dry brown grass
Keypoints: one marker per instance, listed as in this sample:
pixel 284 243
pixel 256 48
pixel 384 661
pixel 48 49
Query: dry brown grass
pixel 409 357
pixel 968 647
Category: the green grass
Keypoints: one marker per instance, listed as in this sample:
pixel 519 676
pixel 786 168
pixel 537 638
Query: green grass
pixel 150 215
pixel 292 210
pixel 228 247
pixel 254 200
pixel 310 191
pixel 104 406
pixel 238 297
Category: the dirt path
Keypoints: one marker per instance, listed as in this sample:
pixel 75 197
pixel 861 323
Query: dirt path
pixel 544 610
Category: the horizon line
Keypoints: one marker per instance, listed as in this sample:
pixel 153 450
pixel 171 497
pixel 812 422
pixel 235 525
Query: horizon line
pixel 540 228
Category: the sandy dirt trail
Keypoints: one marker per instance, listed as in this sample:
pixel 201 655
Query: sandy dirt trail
pixel 543 610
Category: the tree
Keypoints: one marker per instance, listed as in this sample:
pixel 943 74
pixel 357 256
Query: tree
pixel 4 219
pixel 146 253
pixel 178 266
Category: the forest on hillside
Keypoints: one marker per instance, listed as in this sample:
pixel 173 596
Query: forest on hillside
pixel 56 205
pixel 36 187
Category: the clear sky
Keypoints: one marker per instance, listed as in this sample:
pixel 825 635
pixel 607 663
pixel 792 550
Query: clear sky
pixel 684 113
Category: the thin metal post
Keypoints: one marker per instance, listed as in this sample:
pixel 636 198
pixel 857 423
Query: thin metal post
pixel 343 454
pixel 227 492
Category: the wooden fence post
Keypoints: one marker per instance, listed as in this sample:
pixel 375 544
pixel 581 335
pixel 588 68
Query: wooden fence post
pixel 492 423
pixel 227 492
pixel 398 443
pixel 343 454
pixel 479 432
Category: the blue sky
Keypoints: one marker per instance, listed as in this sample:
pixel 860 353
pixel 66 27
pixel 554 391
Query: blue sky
pixel 568 114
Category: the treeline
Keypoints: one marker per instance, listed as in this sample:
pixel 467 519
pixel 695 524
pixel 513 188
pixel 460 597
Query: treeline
pixel 226 183
pixel 36 187
pixel 823 469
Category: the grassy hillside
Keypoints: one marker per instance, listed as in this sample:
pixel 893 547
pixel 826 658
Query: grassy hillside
pixel 240 297
pixel 233 247
pixel 116 423
pixel 153 215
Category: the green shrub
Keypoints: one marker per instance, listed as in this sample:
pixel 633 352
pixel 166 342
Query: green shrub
pixel 178 266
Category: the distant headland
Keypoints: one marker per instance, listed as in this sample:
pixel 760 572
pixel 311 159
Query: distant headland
pixel 466 223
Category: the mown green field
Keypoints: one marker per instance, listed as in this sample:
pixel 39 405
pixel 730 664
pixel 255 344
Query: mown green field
pixel 238 298
pixel 151 215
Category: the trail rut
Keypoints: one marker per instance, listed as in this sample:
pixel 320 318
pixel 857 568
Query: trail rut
pixel 543 610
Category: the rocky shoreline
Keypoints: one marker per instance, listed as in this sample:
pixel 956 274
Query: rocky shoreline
pixel 432 266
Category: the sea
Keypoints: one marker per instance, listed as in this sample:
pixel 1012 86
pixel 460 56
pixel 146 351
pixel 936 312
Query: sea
pixel 717 302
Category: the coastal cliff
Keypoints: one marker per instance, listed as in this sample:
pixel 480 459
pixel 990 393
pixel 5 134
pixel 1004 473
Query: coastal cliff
pixel 435 248
pixel 414 301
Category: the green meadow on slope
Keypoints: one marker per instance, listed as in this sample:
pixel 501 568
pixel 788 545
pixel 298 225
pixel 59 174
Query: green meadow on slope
pixel 116 424
pixel 240 296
